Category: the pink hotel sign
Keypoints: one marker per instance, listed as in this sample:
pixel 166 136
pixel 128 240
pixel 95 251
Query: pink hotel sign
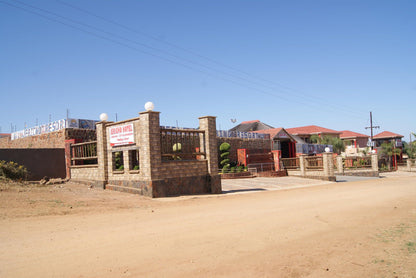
pixel 121 135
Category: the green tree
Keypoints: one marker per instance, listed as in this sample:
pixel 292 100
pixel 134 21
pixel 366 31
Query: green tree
pixel 410 148
pixel 315 139
pixel 337 144
pixel 388 150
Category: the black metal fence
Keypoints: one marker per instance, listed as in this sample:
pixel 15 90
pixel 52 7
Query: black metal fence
pixel 182 144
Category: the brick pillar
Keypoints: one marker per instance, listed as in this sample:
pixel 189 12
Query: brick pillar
pixel 340 165
pixel 328 162
pixel 374 162
pixel 276 159
pixel 150 149
pixel 208 124
pixel 68 157
pixel 242 156
pixel 302 164
pixel 409 165
pixel 102 154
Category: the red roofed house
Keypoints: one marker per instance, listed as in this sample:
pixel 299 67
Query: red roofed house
pixel 251 126
pixel 282 141
pixel 355 139
pixel 305 132
pixel 387 136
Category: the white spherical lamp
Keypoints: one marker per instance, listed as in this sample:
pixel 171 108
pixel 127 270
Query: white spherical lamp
pixel 327 149
pixel 103 117
pixel 149 106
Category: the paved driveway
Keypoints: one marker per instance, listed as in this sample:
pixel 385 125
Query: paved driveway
pixel 247 185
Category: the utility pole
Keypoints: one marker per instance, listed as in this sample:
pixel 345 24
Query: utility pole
pixel 371 127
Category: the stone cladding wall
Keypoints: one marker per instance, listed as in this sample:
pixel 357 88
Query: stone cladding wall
pixel 156 178
pixel 84 173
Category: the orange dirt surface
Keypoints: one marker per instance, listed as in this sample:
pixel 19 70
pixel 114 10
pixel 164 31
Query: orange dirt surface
pixel 354 229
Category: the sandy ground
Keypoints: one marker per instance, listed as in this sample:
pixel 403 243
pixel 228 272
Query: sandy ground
pixel 355 229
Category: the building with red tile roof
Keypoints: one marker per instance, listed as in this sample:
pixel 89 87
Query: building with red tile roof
pixel 305 132
pixel 248 126
pixel 355 139
pixel 387 136
pixel 282 141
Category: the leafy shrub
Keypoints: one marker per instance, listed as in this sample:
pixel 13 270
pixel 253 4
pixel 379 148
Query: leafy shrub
pixel 226 168
pixel 240 169
pixel 12 170
pixel 224 147
pixel 136 167
pixel 225 154
pixel 225 162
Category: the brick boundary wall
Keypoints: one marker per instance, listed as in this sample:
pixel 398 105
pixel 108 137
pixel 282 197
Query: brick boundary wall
pixel 156 177
pixel 240 143
pixel 49 140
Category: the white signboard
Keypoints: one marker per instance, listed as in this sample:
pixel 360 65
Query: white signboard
pixel 121 135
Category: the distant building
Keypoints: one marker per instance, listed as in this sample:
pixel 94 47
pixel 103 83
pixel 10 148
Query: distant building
pixel 305 132
pixel 249 126
pixel 282 141
pixel 4 135
pixel 387 136
pixel 354 139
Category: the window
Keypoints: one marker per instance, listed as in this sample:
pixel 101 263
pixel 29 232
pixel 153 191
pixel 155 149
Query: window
pixel 134 160
pixel 118 161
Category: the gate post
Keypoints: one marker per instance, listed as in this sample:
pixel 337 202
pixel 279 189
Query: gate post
pixel 340 166
pixel 208 124
pixel 302 164
pixel 374 162
pixel 276 159
pixel 328 162
pixel 102 154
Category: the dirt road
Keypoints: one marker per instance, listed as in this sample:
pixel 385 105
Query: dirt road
pixel 357 229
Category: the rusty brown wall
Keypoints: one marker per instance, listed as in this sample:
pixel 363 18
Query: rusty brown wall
pixel 39 162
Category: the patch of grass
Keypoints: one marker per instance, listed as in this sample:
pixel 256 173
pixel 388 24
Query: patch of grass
pixel 391 235
pixel 411 247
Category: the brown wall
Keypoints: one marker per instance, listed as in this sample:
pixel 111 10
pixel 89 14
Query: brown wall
pixel 49 140
pixel 39 162
pixel 260 145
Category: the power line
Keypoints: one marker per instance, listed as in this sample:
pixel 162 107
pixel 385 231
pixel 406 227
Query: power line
pixel 125 27
pixel 215 74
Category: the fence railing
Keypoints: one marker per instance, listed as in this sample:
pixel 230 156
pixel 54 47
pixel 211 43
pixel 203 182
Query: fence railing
pixel 261 167
pixel 84 153
pixel 356 162
pixel 182 144
pixel 290 163
pixel 314 163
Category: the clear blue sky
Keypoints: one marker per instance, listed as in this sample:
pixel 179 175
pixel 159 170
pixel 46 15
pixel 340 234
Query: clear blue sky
pixel 286 63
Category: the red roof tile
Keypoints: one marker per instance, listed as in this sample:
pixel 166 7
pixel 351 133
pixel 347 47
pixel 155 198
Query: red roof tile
pixel 274 131
pixel 250 122
pixel 311 129
pixel 387 134
pixel 351 134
